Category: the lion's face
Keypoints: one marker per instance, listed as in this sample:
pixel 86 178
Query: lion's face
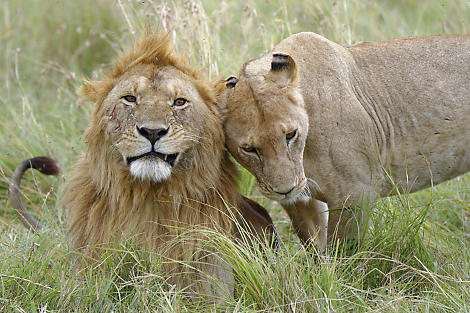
pixel 266 126
pixel 153 117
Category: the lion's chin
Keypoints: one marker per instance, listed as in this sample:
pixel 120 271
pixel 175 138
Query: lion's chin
pixel 150 169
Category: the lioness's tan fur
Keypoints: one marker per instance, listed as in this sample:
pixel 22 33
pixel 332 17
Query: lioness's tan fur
pixel 399 107
pixel 104 202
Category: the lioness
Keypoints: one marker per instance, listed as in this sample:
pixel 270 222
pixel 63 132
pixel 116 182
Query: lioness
pixel 155 168
pixel 325 127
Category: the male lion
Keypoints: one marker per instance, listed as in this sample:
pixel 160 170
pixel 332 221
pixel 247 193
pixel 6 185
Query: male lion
pixel 155 168
pixel 325 127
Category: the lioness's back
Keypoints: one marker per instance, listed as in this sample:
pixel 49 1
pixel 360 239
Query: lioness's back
pixel 431 68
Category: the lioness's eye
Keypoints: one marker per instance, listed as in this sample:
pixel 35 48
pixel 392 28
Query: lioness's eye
pixel 291 135
pixel 250 149
pixel 180 101
pixel 129 98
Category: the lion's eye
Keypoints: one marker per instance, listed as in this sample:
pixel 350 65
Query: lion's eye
pixel 291 136
pixel 130 98
pixel 250 149
pixel 179 102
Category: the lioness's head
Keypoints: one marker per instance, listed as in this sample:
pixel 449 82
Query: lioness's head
pixel 266 125
pixel 152 110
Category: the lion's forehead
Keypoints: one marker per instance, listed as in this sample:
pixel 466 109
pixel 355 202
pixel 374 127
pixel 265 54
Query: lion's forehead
pixel 156 83
pixel 141 84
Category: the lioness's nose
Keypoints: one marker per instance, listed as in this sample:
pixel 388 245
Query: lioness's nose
pixel 284 191
pixel 152 134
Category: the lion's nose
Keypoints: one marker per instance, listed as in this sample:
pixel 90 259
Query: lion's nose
pixel 152 134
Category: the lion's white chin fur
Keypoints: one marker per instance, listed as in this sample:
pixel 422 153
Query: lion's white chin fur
pixel 154 170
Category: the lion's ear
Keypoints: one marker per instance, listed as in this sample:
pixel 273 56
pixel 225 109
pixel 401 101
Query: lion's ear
pixel 94 90
pixel 283 69
pixel 89 90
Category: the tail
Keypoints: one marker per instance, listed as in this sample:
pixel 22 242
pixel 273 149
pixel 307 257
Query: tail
pixel 43 164
pixel 256 220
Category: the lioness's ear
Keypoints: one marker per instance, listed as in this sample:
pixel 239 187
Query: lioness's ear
pixel 231 82
pixel 221 85
pixel 221 96
pixel 283 69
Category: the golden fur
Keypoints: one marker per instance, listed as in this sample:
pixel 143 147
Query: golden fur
pixel 104 201
pixel 346 121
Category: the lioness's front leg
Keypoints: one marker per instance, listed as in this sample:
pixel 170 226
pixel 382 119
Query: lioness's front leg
pixel 310 220
pixel 346 223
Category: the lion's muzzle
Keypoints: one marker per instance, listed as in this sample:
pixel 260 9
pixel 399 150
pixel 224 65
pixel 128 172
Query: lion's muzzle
pixel 168 158
pixel 152 134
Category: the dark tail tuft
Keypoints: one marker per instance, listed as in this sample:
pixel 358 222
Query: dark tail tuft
pixel 45 165
pixel 256 220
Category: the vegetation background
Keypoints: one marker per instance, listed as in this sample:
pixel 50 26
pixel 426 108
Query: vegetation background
pixel 415 257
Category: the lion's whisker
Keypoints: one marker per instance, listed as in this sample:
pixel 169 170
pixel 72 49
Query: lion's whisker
pixel 195 138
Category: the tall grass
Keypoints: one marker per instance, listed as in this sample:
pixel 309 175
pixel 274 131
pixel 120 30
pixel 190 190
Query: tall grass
pixel 415 256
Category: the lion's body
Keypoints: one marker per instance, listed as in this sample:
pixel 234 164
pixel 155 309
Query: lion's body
pixel 399 108
pixel 109 198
